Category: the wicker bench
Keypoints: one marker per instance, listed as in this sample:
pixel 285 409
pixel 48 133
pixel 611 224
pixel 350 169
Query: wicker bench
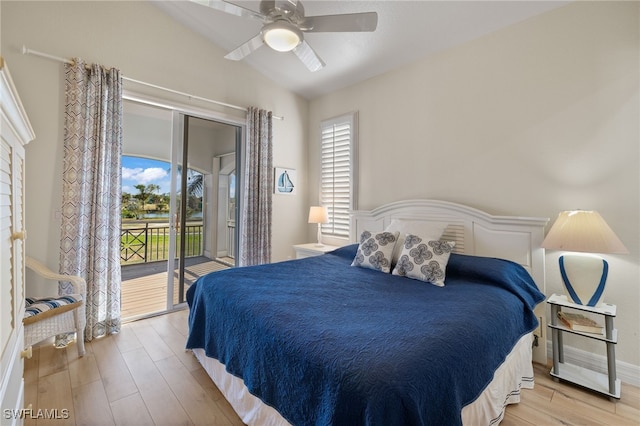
pixel 50 316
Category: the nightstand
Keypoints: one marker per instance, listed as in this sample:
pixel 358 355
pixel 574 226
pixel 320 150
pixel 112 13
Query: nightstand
pixel 606 384
pixel 312 249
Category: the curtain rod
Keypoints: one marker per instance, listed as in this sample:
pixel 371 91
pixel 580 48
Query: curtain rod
pixel 27 51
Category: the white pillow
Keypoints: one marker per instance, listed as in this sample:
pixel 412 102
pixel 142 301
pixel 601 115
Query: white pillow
pixel 426 229
pixel 374 251
pixel 424 260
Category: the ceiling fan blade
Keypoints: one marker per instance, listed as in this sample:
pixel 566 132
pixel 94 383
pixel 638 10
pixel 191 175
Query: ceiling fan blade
pixel 350 22
pixel 231 8
pixel 308 56
pixel 245 49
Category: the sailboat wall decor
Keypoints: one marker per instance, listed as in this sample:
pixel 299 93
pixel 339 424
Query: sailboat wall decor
pixel 285 181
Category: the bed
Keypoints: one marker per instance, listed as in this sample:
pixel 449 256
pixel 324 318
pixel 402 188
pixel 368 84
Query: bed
pixel 328 340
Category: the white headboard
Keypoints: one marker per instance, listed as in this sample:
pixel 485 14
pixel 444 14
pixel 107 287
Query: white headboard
pixel 475 232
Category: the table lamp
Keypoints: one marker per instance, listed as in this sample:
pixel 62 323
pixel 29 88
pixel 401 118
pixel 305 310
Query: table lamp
pixel 319 215
pixel 584 276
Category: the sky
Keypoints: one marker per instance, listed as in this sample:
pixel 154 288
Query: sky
pixel 137 170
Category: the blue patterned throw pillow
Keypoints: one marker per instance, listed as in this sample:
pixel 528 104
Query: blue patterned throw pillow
pixel 375 250
pixel 424 260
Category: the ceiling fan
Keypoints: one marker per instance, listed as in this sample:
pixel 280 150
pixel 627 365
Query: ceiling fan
pixel 284 25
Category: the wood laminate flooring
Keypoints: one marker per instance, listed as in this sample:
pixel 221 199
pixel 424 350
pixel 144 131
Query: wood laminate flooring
pixel 143 376
pixel 144 286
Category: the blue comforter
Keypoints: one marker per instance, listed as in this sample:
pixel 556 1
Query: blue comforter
pixel 326 343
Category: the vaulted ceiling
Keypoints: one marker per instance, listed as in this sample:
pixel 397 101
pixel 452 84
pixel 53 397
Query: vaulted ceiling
pixel 406 31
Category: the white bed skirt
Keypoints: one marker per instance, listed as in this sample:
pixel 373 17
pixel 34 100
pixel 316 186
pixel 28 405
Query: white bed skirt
pixel 514 374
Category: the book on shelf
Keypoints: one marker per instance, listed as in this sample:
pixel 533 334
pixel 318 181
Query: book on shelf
pixel 579 322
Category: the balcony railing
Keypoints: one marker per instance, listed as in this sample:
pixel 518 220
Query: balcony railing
pixel 150 242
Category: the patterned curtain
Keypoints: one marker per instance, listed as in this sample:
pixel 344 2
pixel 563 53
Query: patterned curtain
pixel 255 227
pixel 90 234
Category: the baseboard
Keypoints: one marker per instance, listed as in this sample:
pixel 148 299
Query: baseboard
pixel 627 373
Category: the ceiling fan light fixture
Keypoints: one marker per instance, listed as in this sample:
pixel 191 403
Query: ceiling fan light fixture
pixel 282 36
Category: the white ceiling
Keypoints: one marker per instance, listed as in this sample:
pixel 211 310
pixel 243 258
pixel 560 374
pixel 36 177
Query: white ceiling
pixel 407 31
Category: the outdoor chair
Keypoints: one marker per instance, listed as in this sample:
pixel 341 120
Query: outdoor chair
pixel 50 316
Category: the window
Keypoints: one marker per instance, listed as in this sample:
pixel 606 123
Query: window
pixel 337 187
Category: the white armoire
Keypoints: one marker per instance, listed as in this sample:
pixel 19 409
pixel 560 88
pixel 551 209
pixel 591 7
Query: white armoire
pixel 15 132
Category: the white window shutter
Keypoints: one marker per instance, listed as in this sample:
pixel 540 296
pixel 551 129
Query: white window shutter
pixel 337 173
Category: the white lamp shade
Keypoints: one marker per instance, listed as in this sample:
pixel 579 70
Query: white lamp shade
pixel 583 231
pixel 318 214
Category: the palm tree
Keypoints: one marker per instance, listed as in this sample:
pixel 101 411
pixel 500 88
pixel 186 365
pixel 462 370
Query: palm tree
pixel 195 183
pixel 144 194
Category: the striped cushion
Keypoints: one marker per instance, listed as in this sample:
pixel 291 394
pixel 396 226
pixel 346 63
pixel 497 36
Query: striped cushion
pixel 39 309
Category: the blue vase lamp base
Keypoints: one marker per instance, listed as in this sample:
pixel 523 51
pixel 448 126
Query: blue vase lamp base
pixel 584 278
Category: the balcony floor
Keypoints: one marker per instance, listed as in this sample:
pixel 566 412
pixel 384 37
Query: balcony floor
pixel 144 286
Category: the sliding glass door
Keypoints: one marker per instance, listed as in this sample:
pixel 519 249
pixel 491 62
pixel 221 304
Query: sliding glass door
pixel 174 231
pixel 199 144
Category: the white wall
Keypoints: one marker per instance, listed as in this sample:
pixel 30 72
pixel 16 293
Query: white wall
pixel 531 120
pixel 145 45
